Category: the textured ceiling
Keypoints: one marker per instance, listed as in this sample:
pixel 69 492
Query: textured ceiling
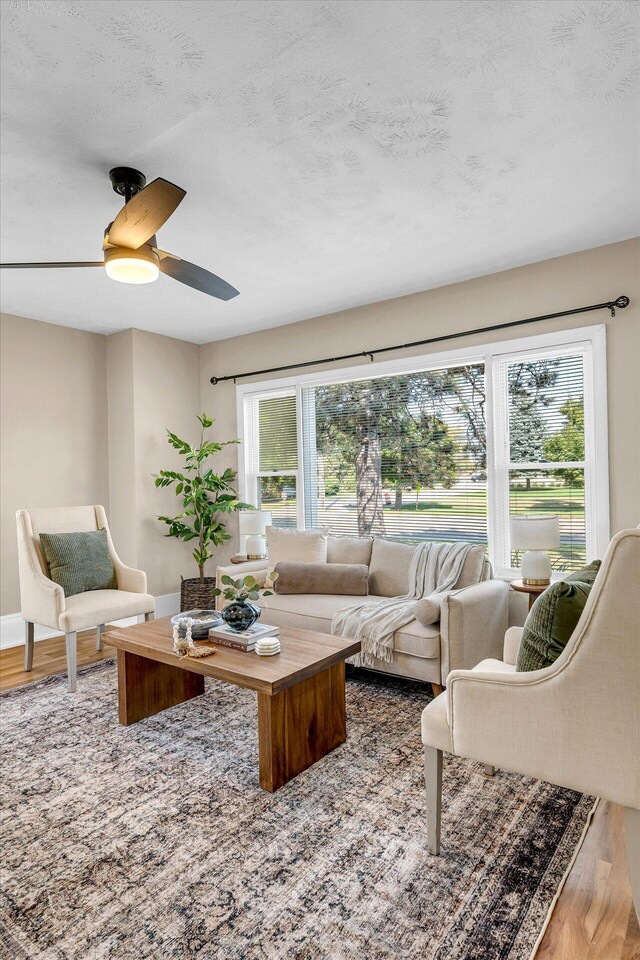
pixel 334 152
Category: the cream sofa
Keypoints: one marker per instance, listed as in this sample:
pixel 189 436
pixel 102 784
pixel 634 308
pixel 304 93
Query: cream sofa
pixel 473 619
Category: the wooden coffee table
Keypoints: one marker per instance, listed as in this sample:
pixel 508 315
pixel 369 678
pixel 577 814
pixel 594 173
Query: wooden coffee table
pixel 301 705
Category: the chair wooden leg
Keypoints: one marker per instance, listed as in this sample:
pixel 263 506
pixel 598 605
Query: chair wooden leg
pixel 99 632
pixel 437 689
pixel 489 771
pixel 71 643
pixel 433 785
pixel 28 646
pixel 632 844
pixel 149 616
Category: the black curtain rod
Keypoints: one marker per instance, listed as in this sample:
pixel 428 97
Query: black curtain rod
pixel 620 303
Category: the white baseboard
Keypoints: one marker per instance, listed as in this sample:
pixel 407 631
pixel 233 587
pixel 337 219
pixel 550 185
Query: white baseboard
pixel 12 624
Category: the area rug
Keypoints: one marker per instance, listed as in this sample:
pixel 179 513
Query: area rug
pixel 155 840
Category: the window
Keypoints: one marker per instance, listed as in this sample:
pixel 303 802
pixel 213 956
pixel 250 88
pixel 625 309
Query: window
pixel 402 457
pixel 275 451
pixel 444 447
pixel 542 468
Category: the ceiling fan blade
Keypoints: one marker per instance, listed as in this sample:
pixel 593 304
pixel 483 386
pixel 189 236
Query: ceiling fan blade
pixel 195 277
pixel 145 213
pixel 37 266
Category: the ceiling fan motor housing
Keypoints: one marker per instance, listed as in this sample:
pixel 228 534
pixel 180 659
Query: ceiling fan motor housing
pixel 126 181
pixel 124 253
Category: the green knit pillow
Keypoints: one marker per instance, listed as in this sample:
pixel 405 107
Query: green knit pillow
pixel 553 618
pixel 79 561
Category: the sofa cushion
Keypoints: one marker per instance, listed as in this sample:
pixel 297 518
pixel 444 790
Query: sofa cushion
pixel 79 561
pixel 295 546
pixel 315 612
pixel 472 568
pixel 331 578
pixel 349 550
pixel 100 606
pixel 389 568
pixel 553 618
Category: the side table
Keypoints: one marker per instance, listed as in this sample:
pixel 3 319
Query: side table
pixel 534 590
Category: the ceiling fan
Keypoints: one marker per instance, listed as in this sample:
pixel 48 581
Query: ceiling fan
pixel 130 251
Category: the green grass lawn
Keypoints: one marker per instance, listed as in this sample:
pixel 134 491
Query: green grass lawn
pixel 474 502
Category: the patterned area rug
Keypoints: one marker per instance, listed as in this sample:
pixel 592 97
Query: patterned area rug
pixel 155 841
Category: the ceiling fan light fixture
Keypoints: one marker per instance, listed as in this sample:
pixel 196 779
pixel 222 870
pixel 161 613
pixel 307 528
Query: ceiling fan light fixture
pixel 131 266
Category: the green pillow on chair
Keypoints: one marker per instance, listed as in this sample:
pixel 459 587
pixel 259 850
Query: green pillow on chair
pixel 79 561
pixel 553 618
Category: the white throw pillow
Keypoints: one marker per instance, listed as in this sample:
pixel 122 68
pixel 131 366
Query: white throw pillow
pixel 294 546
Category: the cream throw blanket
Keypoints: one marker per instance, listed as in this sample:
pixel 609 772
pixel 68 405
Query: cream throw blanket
pixel 434 568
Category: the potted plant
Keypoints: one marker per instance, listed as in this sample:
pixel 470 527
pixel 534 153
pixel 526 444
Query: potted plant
pixel 241 613
pixel 205 497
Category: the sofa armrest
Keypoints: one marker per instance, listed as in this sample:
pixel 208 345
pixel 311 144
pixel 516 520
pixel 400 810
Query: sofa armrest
pixel 41 600
pixel 511 645
pixel 258 569
pixel 135 581
pixel 473 622
pixel 500 717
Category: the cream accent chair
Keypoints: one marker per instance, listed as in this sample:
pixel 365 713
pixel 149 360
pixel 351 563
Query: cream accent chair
pixel 557 724
pixel 43 601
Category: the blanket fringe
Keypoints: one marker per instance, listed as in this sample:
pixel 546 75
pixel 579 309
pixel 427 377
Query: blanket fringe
pixel 372 649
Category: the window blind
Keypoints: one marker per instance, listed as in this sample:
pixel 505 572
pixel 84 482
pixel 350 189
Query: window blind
pixel 546 441
pixel 277 466
pixel 402 456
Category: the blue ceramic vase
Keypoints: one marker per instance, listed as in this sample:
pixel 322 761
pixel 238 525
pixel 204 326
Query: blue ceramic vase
pixel 240 615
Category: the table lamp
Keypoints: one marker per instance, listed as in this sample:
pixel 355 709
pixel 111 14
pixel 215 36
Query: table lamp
pixel 252 526
pixel 534 535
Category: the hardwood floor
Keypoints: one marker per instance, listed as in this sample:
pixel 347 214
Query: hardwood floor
pixel 594 918
pixel 48 659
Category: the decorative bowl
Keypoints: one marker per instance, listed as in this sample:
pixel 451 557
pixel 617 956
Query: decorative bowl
pixel 203 621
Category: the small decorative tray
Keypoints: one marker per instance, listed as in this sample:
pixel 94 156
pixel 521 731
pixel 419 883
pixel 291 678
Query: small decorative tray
pixel 203 621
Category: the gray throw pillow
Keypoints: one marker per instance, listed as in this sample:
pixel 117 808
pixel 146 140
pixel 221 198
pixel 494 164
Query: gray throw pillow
pixel 346 579
pixel 79 562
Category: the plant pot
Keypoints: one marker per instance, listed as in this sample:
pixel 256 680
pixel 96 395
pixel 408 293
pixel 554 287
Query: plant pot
pixel 240 615
pixel 196 594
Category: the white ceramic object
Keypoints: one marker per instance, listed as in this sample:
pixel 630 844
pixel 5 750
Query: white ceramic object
pixel 535 534
pixel 536 568
pixel 268 647
pixel 252 526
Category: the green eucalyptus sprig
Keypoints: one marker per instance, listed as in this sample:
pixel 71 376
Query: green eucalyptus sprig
pixel 245 588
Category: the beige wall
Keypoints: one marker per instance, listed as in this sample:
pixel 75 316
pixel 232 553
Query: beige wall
pixel 54 427
pixel 83 421
pixel 166 395
pixel 152 384
pixel 122 446
pixel 554 285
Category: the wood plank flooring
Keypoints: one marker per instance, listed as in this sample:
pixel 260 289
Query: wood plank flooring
pixel 594 918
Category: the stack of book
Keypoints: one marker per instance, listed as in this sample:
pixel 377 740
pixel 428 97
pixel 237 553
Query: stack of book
pixel 246 641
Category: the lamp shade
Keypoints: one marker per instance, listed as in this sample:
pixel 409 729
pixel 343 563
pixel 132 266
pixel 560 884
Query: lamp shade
pixel 253 522
pixel 534 533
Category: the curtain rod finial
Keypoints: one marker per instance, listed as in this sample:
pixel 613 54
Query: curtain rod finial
pixel 620 303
